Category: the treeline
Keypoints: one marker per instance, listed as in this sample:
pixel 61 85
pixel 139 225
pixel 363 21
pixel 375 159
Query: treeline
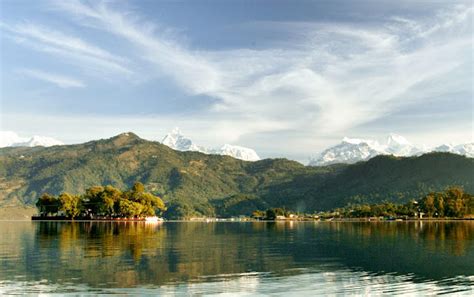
pixel 99 201
pixel 272 213
pixel 452 203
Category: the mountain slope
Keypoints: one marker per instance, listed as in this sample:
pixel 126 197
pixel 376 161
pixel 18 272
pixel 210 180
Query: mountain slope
pixel 194 183
pixel 188 177
pixel 398 179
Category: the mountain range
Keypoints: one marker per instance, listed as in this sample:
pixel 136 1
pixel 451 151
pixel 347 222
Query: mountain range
pixel 352 150
pixel 348 151
pixel 195 184
pixel 174 140
pixel 178 141
pixel 9 139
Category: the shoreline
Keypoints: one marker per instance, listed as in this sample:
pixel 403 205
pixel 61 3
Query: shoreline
pixel 60 218
pixel 234 220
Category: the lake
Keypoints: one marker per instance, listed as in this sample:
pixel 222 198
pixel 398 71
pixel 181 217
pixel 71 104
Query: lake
pixel 249 258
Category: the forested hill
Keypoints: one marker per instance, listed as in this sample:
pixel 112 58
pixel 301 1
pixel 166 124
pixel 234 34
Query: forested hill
pixel 193 183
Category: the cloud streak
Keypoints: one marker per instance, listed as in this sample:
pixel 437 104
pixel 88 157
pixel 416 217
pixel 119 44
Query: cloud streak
pixel 190 69
pixel 81 53
pixel 57 79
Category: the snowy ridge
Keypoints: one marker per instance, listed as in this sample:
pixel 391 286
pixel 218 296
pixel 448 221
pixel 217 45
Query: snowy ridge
pixel 398 146
pixel 10 139
pixel 466 149
pixel 352 150
pixel 177 141
pixel 349 151
pixel 238 152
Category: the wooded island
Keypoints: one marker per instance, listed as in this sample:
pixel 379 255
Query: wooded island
pixel 100 202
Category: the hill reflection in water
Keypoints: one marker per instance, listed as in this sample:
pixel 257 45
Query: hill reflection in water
pixel 108 255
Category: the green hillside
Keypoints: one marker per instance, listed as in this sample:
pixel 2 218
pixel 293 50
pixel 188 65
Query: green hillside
pixel 193 183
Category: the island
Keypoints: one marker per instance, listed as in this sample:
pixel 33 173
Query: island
pixel 102 203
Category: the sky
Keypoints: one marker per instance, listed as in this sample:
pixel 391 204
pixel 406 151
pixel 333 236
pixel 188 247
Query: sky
pixel 286 78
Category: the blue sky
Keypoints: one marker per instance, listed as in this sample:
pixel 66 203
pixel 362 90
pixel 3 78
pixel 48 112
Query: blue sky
pixel 287 78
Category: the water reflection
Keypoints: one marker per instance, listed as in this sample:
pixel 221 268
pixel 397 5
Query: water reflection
pixel 104 255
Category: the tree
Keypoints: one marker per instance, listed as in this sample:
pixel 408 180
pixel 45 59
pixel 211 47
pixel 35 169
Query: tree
pixel 138 188
pixel 270 214
pixel 71 205
pixel 110 197
pixel 411 208
pixel 92 199
pixel 151 204
pixel 258 214
pixel 469 204
pixel 363 211
pixel 439 204
pixel 455 202
pixel 428 205
pixel 47 204
pixel 102 200
pixel 179 210
pixel 129 209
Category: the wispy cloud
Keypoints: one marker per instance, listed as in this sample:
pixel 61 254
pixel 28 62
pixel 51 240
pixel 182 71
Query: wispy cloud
pixel 75 50
pixel 330 78
pixel 190 69
pixel 340 76
pixel 57 79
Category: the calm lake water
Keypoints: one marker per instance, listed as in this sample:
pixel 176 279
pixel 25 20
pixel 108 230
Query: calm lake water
pixel 252 258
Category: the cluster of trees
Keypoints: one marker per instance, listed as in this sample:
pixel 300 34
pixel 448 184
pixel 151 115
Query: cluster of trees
pixel 453 202
pixel 99 201
pixel 271 213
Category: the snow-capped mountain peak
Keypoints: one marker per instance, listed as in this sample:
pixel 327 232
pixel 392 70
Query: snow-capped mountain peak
pixel 446 147
pixel 352 140
pixel 9 138
pixel 397 140
pixel 352 150
pixel 466 149
pixel 177 141
pixel 398 145
pixel 238 152
pixel 39 141
pixel 357 141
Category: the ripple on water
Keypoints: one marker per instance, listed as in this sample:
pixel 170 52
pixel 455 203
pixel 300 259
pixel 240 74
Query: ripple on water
pixel 342 282
pixel 255 259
